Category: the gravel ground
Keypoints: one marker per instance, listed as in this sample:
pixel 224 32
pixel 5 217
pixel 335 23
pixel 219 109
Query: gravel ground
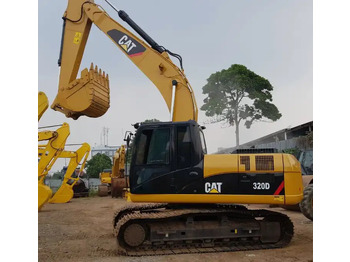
pixel 82 231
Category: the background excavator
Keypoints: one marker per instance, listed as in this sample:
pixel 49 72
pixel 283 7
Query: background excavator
pixel 51 147
pixel 192 192
pixel 113 180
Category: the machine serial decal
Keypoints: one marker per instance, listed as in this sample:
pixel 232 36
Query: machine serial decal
pixel 214 187
pixel 127 43
pixel 261 186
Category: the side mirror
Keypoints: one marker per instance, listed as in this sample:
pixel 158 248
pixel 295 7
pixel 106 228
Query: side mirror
pixel 127 138
pixel 136 126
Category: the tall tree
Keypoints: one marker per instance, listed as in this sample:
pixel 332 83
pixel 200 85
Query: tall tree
pixel 237 94
pixel 96 165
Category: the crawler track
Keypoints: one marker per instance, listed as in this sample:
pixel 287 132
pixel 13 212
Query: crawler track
pixel 157 219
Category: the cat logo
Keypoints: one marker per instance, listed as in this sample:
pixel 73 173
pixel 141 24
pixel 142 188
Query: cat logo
pixel 127 43
pixel 214 187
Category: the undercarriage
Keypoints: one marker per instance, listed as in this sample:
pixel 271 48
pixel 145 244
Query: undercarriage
pixel 163 229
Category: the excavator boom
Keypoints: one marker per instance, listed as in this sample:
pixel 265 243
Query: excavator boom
pixel 89 95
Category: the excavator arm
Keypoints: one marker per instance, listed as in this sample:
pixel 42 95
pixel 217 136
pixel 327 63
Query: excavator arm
pixel 48 153
pixel 65 192
pixel 89 94
pixel 119 162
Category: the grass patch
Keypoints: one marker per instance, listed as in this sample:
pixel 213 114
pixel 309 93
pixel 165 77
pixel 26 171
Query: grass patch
pixel 92 193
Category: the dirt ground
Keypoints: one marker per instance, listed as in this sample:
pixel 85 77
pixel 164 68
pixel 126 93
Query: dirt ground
pixel 82 231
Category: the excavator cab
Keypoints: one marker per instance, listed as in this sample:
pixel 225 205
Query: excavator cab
pixel 167 158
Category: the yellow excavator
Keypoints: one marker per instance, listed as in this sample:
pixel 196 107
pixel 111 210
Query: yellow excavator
pixel 104 189
pixel 65 192
pixel 48 154
pixel 51 145
pixel 192 197
pixel 113 180
pixel 49 151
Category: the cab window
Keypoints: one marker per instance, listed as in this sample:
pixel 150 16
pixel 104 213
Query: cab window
pixel 204 146
pixel 184 145
pixel 153 147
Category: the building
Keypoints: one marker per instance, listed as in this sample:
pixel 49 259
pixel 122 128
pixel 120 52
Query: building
pixel 107 150
pixel 282 139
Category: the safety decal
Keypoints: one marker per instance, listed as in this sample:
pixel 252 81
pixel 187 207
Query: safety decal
pixel 128 44
pixel 77 37
pixel 279 189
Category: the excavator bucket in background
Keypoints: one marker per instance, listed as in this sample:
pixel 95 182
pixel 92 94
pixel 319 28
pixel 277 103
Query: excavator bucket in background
pixel 65 192
pixel 44 194
pixel 43 103
pixel 88 95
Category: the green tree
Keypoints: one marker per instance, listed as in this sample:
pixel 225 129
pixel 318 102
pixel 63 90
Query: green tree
pixel 58 175
pixel 305 142
pixel 237 94
pixel 96 165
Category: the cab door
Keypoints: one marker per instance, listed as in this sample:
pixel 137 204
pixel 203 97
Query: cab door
pixel 187 174
pixel 150 171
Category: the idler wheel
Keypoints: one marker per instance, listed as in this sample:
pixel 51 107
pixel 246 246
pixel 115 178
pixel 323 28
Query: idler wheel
pixel 134 235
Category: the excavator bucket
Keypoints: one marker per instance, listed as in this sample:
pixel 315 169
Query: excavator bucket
pixel 86 96
pixel 63 195
pixel 44 194
pixel 43 104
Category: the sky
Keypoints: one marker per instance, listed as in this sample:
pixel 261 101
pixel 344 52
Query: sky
pixel 273 38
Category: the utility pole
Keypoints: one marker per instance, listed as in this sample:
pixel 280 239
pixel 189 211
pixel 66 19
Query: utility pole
pixel 105 131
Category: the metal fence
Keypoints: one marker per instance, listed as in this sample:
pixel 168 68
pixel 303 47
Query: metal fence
pixel 280 145
pixel 91 183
